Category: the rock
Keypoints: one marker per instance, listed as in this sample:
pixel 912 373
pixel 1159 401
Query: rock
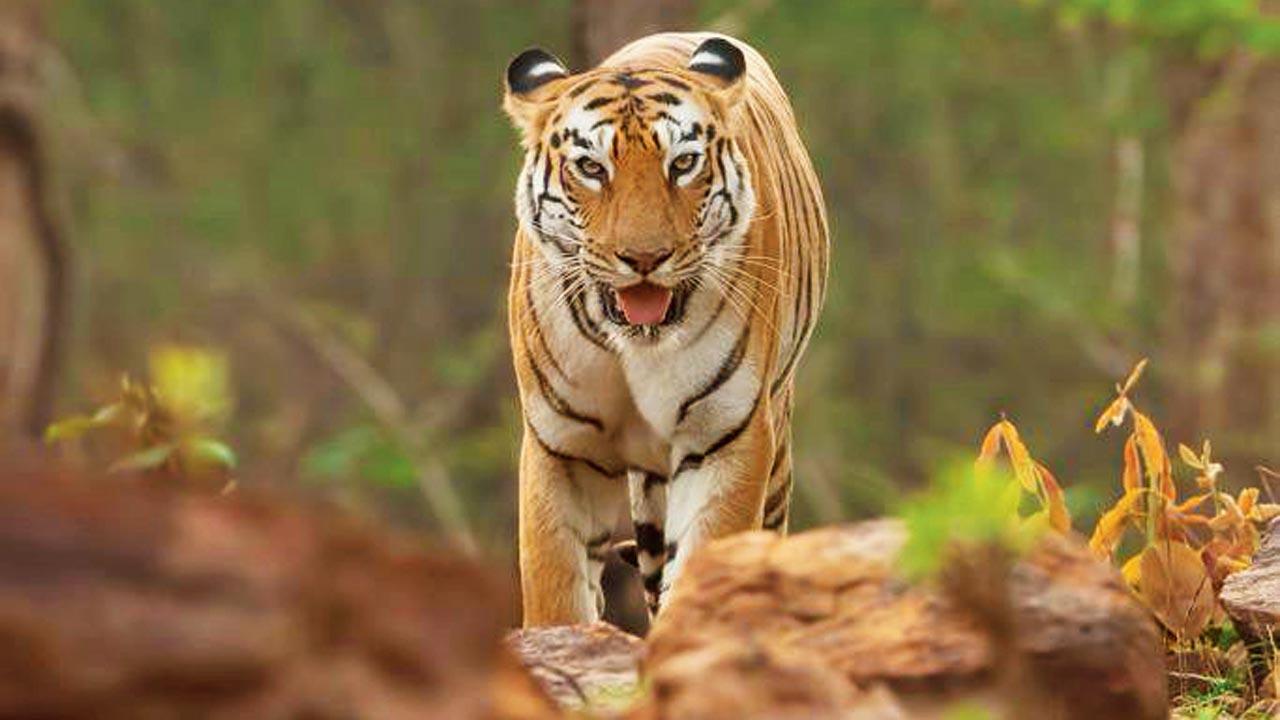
pixel 1252 596
pixel 123 600
pixel 582 666
pixel 827 603
pixel 737 679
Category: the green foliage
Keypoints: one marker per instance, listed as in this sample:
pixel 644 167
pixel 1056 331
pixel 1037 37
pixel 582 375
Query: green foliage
pixel 967 506
pixel 351 158
pixel 167 427
pixel 360 452
pixel 1212 27
pixel 968 712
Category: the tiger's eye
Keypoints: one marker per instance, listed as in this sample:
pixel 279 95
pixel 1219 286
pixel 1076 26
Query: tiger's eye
pixel 683 163
pixel 591 168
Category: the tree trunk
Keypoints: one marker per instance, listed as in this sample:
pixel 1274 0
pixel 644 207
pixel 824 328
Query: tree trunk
pixel 1226 252
pixel 33 273
pixel 602 26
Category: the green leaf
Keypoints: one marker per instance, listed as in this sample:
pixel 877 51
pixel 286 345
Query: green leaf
pixel 77 425
pixel 68 429
pixel 339 456
pixel 211 451
pixel 148 459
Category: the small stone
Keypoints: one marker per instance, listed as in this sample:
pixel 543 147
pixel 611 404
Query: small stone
pixel 593 666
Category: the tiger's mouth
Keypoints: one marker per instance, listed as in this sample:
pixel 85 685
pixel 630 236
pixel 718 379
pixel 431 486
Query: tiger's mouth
pixel 644 305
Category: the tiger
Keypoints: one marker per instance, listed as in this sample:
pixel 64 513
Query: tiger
pixel 670 261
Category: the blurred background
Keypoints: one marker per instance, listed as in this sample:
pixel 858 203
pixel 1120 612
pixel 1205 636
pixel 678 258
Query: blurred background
pixel 1025 199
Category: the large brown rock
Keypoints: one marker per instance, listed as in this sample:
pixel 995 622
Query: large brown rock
pixel 1065 639
pixel 121 600
pixel 1252 596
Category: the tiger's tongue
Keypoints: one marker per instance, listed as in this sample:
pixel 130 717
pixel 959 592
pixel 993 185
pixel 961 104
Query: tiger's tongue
pixel 644 304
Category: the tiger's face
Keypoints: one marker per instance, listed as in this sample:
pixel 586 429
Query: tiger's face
pixel 633 185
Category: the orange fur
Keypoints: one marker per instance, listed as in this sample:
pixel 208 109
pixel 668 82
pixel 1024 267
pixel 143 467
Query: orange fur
pixel 780 290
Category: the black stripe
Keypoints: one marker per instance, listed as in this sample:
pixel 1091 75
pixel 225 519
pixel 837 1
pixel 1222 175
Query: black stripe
pixel 714 316
pixel 800 311
pixel 674 82
pixel 778 456
pixel 651 479
pixel 794 351
pixel 666 98
pixel 777 499
pixel 629 81
pixel 627 553
pixel 566 457
pixel 694 461
pixel 724 190
pixel 558 403
pixel 600 102
pixel 653 581
pixel 774 522
pixel 724 176
pixel 587 328
pixel 536 323
pixel 649 538
pixel 725 371
pixel 534 210
pixel 577 92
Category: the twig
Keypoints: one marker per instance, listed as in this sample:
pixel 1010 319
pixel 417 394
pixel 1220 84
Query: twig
pixel 386 406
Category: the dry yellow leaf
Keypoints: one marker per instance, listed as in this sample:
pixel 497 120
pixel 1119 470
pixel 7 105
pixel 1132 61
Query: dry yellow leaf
pixel 1114 414
pixel 1153 455
pixel 1132 571
pixel 1187 505
pixel 1189 457
pixel 1110 527
pixel 1247 502
pixel 1268 511
pixel 1176 588
pixel 991 443
pixel 1134 374
pixel 1132 477
pixel 1054 499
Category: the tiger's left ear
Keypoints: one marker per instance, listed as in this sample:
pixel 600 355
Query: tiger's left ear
pixel 534 80
pixel 724 65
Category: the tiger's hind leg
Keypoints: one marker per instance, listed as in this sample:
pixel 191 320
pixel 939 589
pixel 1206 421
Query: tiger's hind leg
pixel 648 493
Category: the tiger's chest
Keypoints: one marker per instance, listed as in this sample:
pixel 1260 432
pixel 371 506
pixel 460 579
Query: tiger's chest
pixel 623 402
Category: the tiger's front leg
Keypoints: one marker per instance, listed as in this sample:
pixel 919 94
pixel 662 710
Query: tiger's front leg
pixel 714 494
pixel 567 511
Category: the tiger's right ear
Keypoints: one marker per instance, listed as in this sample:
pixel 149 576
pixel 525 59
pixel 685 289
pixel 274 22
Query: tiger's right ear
pixel 535 79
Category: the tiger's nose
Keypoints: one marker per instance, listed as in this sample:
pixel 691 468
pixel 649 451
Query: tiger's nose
pixel 641 261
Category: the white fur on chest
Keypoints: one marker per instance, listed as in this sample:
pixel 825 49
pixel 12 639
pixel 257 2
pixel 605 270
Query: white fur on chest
pixel 639 389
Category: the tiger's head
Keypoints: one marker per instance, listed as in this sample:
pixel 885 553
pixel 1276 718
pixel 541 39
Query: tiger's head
pixel 634 184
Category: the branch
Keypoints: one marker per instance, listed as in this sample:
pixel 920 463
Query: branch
pixel 383 402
